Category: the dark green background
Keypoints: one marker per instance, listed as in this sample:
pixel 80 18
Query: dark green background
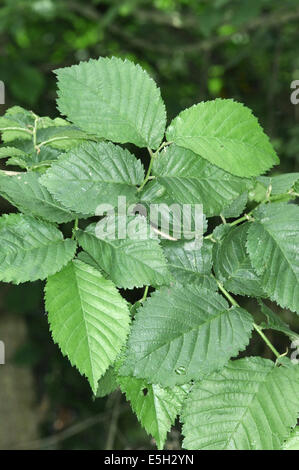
pixel 196 50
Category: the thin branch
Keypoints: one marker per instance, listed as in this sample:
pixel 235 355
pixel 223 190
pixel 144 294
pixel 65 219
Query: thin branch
pixel 255 326
pixel 63 435
pixel 113 423
pixel 264 22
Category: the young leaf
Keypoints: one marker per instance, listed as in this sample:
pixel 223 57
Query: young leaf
pixel 156 408
pixel 31 249
pixel 10 152
pixel 129 262
pixel 16 124
pixel 190 266
pixel 251 405
pixel 227 134
pixel 292 443
pixel 29 158
pixel 26 193
pixel 118 101
pixel 96 174
pixel 274 322
pixel 273 249
pixel 184 333
pixel 18 115
pixel 64 137
pixel 232 264
pixel 189 179
pixel 88 318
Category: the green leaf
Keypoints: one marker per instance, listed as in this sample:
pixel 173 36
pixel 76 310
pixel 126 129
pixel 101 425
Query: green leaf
pixel 190 266
pixel 274 322
pixel 184 333
pixel 156 408
pixel 31 249
pixel 167 214
pixel 118 101
pixel 17 116
pixel 279 184
pixel 30 158
pixel 26 193
pixel 227 134
pixel 237 207
pixel 292 443
pixel 251 405
pixel 96 174
pixel 10 152
pixel 86 258
pixel 16 124
pixel 272 245
pixel 220 231
pixel 64 137
pixel 258 193
pixel 107 384
pixel 232 264
pixel 88 318
pixel 189 179
pixel 129 262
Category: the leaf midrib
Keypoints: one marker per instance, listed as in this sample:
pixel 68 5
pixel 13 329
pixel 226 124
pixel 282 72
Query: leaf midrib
pixel 196 328
pixel 280 248
pixel 229 439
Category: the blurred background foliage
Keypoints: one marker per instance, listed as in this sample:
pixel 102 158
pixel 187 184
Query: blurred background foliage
pixel 196 50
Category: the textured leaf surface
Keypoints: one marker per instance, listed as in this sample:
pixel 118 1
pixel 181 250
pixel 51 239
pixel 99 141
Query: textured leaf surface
pixel 129 262
pixel 86 258
pixel 190 266
pixel 96 174
pixel 31 249
pixel 279 184
pixel 227 134
pixel 169 215
pixel 26 193
pixel 10 152
pixel 250 405
pixel 274 322
pixel 21 120
pixel 16 118
pixel 118 101
pixel 64 137
pixel 184 333
pixel 156 408
pixel 88 318
pixel 189 179
pixel 273 247
pixel 237 207
pixel 232 263
pixel 292 443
